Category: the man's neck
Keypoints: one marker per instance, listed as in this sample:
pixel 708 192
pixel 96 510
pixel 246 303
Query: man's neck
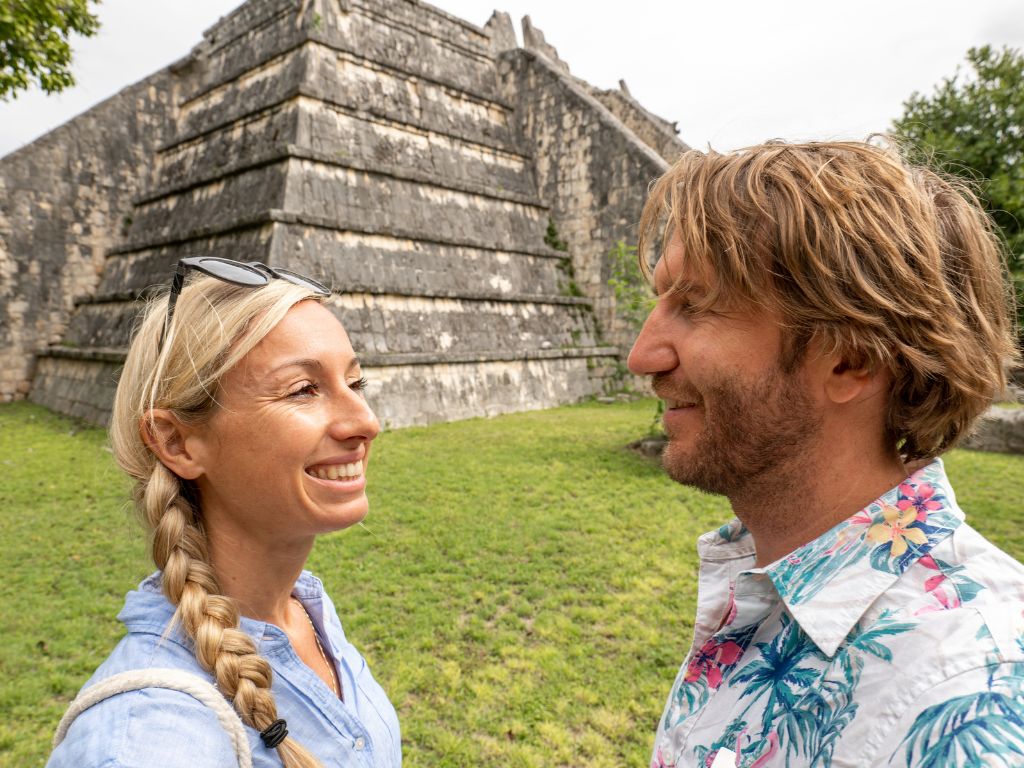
pixel 793 508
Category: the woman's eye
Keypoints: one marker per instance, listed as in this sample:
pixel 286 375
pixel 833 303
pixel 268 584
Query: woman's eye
pixel 359 384
pixel 306 390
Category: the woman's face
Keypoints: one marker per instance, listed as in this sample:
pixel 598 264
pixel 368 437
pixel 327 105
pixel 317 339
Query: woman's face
pixel 284 456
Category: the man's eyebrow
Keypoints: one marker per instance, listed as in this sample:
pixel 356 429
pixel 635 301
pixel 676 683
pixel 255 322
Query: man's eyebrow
pixel 690 287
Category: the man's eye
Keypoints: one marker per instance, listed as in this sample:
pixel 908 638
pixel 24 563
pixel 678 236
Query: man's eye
pixel 683 306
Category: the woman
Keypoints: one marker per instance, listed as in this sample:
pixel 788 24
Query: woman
pixel 240 417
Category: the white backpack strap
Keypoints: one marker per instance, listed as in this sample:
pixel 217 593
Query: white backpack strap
pixel 173 679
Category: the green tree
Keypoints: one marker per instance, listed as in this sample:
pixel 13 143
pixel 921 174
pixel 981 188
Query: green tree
pixel 35 42
pixel 972 125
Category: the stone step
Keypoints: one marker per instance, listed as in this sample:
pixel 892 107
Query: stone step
pixel 334 134
pixel 402 391
pixel 426 20
pixel 243 20
pixel 402 324
pixel 426 43
pixel 338 197
pixel 249 239
pixel 350 81
pixel 389 323
pixel 455 55
pixel 407 395
pixel 355 261
pixel 367 201
pixel 116 355
pixel 223 205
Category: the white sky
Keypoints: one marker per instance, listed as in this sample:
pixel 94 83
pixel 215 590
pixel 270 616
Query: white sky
pixel 730 72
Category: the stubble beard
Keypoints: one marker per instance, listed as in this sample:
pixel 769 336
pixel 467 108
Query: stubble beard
pixel 753 436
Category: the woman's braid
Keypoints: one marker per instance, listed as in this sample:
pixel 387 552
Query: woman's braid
pixel 180 550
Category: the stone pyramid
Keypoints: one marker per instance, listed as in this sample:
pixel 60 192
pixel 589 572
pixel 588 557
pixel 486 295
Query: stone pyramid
pixel 414 162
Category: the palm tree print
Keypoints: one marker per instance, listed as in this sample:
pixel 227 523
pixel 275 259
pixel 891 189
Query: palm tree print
pixel 834 708
pixel 779 673
pixel 973 730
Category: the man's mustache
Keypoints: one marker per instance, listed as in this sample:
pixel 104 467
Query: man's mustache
pixel 665 389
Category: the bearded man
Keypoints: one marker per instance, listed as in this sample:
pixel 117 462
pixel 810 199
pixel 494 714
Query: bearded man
pixel 829 321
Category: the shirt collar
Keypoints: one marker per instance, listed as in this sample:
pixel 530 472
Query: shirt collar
pixel 147 610
pixel 829 583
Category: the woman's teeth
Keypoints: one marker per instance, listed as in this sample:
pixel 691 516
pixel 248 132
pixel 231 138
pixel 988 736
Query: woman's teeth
pixel 337 471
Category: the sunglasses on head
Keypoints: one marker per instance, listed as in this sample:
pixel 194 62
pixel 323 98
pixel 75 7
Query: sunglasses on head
pixel 251 274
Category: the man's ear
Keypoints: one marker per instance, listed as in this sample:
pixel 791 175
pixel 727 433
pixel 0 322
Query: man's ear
pixel 848 382
pixel 174 443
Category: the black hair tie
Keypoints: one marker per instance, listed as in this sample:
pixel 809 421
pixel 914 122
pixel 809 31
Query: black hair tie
pixel 274 733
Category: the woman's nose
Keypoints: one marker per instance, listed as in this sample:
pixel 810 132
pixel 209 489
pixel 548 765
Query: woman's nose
pixel 353 418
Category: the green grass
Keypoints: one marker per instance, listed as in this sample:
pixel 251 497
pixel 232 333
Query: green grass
pixel 523 588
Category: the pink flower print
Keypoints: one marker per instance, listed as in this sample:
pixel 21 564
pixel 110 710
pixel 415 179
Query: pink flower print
pixel 660 761
pixel 730 610
pixel 896 530
pixel 919 499
pixel 773 748
pixel 709 661
pixel 939 587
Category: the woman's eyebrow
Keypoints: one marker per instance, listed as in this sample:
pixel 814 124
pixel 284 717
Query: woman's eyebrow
pixel 311 363
pixel 305 362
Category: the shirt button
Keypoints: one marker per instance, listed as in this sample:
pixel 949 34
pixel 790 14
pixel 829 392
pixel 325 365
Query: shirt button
pixel 360 744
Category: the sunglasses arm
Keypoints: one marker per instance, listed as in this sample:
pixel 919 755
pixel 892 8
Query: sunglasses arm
pixel 176 285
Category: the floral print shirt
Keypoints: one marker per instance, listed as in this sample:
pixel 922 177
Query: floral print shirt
pixel 894 639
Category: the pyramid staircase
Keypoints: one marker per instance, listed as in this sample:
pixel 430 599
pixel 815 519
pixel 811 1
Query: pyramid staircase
pixel 410 160
pixel 366 143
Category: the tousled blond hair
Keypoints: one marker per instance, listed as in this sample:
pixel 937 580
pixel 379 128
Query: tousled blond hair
pixel 215 325
pixel 889 266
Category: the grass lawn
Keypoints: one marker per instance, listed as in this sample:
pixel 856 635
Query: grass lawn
pixel 523 587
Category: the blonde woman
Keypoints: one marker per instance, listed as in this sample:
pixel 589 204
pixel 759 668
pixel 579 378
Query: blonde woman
pixel 240 417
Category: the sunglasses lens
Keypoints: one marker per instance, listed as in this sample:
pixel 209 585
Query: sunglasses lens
pixel 231 272
pixel 302 280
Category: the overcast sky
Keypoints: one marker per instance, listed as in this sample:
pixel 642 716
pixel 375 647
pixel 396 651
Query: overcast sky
pixel 730 72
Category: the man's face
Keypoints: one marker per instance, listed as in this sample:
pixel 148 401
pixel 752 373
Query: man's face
pixel 731 414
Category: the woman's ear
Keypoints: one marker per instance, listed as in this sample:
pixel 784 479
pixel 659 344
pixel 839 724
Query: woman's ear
pixel 175 444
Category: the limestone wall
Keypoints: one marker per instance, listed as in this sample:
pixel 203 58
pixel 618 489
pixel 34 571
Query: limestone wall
pixel 591 170
pixel 657 133
pixel 65 200
pixel 382 146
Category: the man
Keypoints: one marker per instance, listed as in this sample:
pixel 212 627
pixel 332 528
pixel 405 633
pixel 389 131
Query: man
pixel 829 320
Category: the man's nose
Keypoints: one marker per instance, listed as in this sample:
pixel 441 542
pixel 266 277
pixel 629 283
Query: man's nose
pixel 653 351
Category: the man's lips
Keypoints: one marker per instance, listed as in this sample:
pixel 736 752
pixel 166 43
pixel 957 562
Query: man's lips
pixel 673 404
pixel 674 400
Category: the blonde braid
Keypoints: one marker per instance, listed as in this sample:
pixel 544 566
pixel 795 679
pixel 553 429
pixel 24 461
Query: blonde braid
pixel 224 322
pixel 180 551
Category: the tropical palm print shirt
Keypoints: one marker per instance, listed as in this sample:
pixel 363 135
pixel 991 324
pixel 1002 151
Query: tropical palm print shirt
pixel 894 639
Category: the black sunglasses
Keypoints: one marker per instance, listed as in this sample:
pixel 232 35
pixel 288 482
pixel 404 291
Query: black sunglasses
pixel 252 274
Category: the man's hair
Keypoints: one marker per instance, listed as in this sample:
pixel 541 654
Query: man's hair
pixel 887 265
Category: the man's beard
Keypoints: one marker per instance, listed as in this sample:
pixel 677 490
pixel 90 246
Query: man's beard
pixel 752 434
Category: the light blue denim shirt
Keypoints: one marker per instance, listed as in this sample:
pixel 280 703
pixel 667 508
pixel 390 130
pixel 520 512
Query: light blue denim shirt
pixel 160 727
